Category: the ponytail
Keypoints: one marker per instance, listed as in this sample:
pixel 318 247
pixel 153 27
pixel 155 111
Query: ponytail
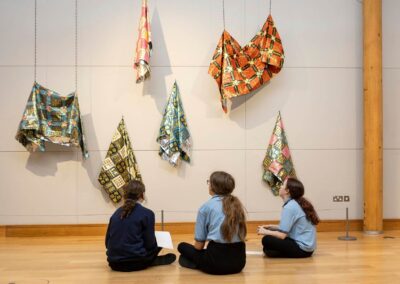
pixel 296 191
pixel 223 184
pixel 309 210
pixel 133 191
pixel 235 218
pixel 127 208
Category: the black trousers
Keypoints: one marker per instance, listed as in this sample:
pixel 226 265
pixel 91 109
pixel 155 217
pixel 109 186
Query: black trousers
pixel 217 258
pixel 135 264
pixel 274 247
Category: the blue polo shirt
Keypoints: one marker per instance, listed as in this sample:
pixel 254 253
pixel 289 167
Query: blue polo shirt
pixel 295 224
pixel 209 220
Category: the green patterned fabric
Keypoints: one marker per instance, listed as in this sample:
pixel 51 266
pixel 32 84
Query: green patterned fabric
pixel 50 117
pixel 278 164
pixel 119 166
pixel 174 136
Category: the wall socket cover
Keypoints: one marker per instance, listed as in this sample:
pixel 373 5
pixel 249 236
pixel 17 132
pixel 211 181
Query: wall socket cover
pixel 341 198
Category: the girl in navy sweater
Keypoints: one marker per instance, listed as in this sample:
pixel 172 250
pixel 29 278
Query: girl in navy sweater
pixel 130 239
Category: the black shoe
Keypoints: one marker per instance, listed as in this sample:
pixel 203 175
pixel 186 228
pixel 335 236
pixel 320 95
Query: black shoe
pixel 183 261
pixel 164 259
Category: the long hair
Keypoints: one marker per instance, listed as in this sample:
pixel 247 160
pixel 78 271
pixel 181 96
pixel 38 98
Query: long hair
pixel 296 191
pixel 223 184
pixel 133 191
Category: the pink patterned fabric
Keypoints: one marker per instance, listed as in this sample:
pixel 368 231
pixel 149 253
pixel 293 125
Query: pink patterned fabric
pixel 143 46
pixel 278 164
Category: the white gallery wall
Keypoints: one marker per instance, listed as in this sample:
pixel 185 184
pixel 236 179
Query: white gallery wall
pixel 319 94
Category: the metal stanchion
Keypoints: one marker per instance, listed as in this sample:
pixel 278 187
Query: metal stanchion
pixel 347 237
pixel 162 220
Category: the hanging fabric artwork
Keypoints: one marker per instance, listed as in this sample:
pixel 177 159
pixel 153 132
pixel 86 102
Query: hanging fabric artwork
pixel 241 70
pixel 278 163
pixel 119 166
pixel 174 136
pixel 49 117
pixel 143 46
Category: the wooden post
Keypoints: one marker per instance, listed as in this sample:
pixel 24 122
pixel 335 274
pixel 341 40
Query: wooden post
pixel 373 170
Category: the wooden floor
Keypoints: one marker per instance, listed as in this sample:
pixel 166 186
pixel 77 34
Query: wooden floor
pixel 370 259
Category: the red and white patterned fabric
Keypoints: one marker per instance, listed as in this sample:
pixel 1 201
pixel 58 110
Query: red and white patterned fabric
pixel 143 46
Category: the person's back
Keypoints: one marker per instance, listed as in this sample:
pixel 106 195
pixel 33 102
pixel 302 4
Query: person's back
pixel 130 238
pixel 221 222
pixel 210 220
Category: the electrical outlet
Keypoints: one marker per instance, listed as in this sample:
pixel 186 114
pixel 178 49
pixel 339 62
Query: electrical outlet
pixel 346 198
pixel 337 198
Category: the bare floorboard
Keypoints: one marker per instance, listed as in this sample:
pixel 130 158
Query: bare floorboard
pixel 370 259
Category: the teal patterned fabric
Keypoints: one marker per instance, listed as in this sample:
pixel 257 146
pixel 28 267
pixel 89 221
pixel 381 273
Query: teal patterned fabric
pixel 50 117
pixel 174 136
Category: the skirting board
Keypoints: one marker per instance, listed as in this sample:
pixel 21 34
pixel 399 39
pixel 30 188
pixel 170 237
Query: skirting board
pixel 2 231
pixel 174 228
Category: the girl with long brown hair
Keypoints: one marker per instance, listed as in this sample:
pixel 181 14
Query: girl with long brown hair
pixel 130 240
pixel 221 222
pixel 295 237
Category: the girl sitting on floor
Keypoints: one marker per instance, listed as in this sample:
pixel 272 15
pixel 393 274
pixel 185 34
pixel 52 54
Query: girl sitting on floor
pixel 221 222
pixel 295 237
pixel 130 239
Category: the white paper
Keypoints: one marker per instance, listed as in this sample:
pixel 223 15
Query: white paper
pixel 164 239
pixel 252 252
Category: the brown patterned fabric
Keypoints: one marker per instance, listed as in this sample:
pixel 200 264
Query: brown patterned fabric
pixel 241 70
pixel 119 166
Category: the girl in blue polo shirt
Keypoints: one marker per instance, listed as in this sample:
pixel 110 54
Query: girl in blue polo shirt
pixel 295 237
pixel 130 240
pixel 221 222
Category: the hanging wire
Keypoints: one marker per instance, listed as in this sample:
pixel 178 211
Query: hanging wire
pixel 76 46
pixel 270 6
pixel 35 48
pixel 223 13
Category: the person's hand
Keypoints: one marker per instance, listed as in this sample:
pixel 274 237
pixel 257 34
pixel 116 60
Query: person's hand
pixel 261 230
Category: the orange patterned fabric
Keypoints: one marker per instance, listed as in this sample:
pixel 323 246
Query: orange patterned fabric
pixel 241 70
